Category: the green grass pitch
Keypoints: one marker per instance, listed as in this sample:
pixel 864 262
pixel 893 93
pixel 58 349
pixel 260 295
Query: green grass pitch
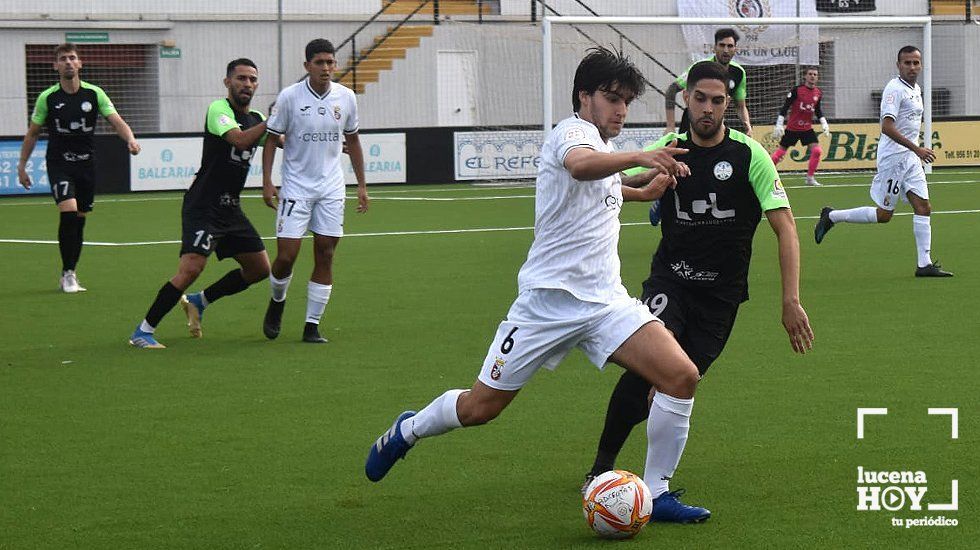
pixel 233 441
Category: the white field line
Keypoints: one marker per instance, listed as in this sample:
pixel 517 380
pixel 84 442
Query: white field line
pixel 378 197
pixel 412 233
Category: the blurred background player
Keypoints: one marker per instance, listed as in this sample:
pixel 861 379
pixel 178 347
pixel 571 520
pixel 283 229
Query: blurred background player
pixel 311 114
pixel 803 104
pixel 726 46
pixel 699 272
pixel 70 110
pixel 900 175
pixel 211 218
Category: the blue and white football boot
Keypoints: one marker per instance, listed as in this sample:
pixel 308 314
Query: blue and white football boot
pixel 390 447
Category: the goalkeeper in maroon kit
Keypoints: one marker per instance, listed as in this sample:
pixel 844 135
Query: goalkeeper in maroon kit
pixel 803 104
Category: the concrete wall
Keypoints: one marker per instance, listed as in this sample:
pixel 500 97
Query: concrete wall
pixel 189 83
pixel 509 74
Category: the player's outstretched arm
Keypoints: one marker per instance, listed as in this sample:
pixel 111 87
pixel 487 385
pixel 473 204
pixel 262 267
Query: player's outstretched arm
pixel 352 146
pixel 245 139
pixel 125 132
pixel 795 320
pixel 780 127
pixel 26 148
pixel 652 190
pixel 588 165
pixel 269 194
pixel 636 181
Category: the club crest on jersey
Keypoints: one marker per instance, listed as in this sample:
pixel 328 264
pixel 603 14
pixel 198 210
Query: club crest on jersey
pixel 723 170
pixel 86 106
pixel 495 371
pixel 336 112
pixel 574 133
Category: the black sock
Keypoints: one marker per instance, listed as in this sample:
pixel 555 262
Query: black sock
pixel 80 230
pixel 166 299
pixel 627 408
pixel 232 283
pixel 67 233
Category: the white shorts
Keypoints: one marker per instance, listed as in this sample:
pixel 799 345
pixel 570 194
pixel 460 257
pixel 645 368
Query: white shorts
pixel 321 216
pixel 898 175
pixel 543 325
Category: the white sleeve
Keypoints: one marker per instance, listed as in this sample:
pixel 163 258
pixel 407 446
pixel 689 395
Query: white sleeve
pixel 574 135
pixel 352 120
pixel 891 100
pixel 278 121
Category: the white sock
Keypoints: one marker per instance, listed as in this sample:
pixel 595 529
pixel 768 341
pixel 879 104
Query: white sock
pixel 436 418
pixel 279 287
pixel 863 214
pixel 317 296
pixel 922 229
pixel 667 427
pixel 145 327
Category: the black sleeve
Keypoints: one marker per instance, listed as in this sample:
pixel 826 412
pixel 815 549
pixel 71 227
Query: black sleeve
pixel 790 98
pixel 816 109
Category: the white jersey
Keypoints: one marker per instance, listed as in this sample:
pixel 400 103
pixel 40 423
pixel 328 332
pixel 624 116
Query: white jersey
pixel 902 102
pixel 313 125
pixel 576 223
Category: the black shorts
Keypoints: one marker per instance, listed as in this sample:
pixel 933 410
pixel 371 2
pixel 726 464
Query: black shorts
pixel 701 324
pixel 73 180
pixel 227 232
pixel 791 138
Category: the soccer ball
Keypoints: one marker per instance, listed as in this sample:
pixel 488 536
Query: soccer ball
pixel 617 504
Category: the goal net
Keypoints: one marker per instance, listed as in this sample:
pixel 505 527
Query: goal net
pixel 855 57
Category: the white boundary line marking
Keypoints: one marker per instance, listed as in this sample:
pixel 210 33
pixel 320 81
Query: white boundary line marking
pixel 377 196
pixel 412 233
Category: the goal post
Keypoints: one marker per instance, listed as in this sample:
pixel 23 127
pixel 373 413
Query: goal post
pixel 859 62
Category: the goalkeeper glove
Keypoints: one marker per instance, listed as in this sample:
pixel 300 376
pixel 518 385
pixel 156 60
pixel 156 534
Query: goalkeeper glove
pixel 780 129
pixel 826 127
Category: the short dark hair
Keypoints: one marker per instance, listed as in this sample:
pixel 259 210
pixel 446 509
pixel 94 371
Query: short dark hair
pixel 240 61
pixel 811 68
pixel 907 49
pixel 601 69
pixel 318 45
pixel 707 70
pixel 722 34
pixel 65 48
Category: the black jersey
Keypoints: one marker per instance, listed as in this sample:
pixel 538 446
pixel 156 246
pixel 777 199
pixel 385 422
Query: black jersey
pixel 224 167
pixel 70 120
pixel 710 218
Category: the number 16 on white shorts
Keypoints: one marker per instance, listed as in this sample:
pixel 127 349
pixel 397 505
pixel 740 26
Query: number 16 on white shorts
pixel 321 216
